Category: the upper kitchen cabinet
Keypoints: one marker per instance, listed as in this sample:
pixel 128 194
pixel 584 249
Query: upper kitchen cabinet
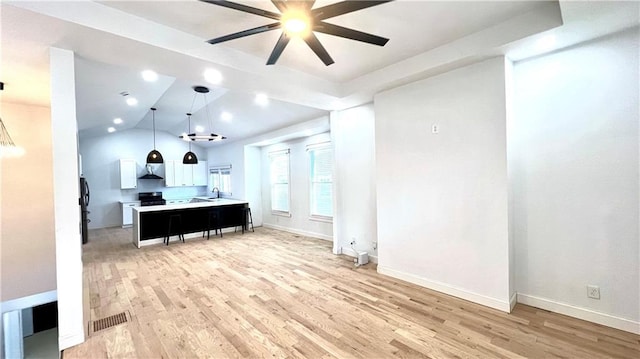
pixel 128 174
pixel 200 173
pixel 178 174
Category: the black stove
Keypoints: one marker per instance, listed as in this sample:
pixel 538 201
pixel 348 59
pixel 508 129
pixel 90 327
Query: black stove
pixel 151 199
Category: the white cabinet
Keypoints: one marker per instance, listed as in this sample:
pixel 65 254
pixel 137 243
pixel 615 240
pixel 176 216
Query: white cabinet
pixel 127 212
pixel 170 179
pixel 178 174
pixel 128 174
pixel 200 173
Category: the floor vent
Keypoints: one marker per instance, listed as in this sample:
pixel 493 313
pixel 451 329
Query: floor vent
pixel 108 322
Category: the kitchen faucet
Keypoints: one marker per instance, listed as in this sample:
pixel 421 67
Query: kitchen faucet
pixel 214 190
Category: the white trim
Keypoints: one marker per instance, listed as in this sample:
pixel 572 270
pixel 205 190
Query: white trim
pixel 279 152
pixel 29 301
pixel 281 213
pixel 512 301
pixel 69 341
pixel 300 232
pixel 319 218
pixel 319 146
pixel 580 313
pixel 12 334
pixel 446 289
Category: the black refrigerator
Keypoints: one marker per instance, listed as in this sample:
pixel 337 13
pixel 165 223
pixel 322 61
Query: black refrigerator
pixel 84 212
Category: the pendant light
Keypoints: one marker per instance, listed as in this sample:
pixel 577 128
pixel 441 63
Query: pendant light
pixel 192 136
pixel 154 156
pixel 190 158
pixel 7 147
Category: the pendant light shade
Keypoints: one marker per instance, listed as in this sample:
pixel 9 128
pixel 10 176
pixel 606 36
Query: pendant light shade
pixel 154 156
pixel 189 158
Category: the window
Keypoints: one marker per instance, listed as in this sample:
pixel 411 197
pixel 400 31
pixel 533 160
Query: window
pixel 220 177
pixel 279 173
pixel 321 181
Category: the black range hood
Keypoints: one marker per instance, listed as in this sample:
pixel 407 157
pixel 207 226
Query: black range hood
pixel 150 176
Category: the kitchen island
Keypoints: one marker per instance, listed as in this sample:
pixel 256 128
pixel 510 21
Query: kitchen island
pixel 150 223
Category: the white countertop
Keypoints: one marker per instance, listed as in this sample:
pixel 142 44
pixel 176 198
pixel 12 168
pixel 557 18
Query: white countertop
pixel 208 203
pixel 131 201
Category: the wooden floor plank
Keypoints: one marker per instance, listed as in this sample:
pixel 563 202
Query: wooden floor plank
pixel 274 294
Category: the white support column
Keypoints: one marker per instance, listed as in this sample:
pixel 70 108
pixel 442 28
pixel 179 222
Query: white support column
pixel 66 194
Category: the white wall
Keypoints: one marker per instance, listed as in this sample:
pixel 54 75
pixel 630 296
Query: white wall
pixel 442 198
pixel 252 180
pixel 575 171
pixel 245 158
pixel 27 231
pixel 298 189
pixel 101 168
pixel 353 137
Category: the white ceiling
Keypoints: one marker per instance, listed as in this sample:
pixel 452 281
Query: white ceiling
pixel 115 40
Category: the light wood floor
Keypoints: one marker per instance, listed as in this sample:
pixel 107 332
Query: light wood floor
pixel 275 294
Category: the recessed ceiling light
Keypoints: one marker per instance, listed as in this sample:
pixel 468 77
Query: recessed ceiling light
pixel 226 116
pixel 199 128
pixel 546 43
pixel 131 101
pixel 213 76
pixel 117 120
pixel 111 129
pixel 262 99
pixel 149 75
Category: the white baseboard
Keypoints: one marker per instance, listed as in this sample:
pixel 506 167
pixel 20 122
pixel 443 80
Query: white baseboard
pixel 29 301
pixel 512 301
pixel 69 341
pixel 447 289
pixel 580 313
pixel 299 231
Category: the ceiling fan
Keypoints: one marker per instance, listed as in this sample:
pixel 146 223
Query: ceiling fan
pixel 297 18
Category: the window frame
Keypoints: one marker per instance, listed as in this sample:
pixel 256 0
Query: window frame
pixel 228 192
pixel 274 155
pixel 311 149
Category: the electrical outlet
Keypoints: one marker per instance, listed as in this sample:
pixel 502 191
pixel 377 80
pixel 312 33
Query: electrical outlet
pixel 353 240
pixel 593 291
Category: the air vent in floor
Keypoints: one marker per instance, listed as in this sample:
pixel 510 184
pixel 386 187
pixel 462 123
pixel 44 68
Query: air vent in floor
pixel 109 322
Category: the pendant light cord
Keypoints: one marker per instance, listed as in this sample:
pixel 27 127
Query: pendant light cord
pixel 153 115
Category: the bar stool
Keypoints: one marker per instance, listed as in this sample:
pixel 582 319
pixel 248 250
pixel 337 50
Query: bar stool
pixel 174 228
pixel 213 222
pixel 248 218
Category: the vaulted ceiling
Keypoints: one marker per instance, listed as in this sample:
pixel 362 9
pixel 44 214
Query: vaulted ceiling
pixel 115 40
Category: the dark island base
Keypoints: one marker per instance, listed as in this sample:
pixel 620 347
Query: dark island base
pixel 156 224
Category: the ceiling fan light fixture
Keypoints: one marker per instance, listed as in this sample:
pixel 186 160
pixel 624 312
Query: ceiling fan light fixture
pixel 300 19
pixel 295 24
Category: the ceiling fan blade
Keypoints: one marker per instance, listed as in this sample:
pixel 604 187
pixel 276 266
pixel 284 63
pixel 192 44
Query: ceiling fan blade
pixel 277 50
pixel 280 4
pixel 343 7
pixel 237 35
pixel 244 8
pixel 317 47
pixel 349 33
